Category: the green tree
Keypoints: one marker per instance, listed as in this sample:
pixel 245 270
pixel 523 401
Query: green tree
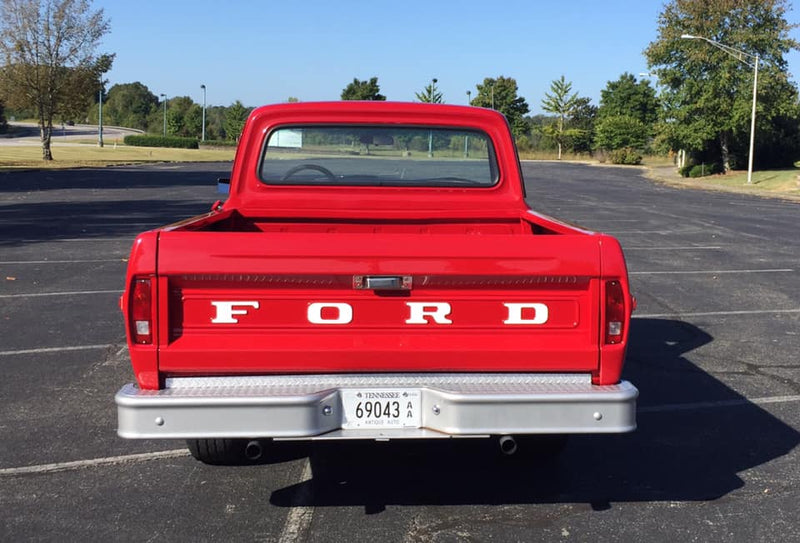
pixel 627 114
pixel 582 126
pixel 3 123
pixel 563 103
pixel 430 94
pixel 363 90
pixel 502 94
pixel 48 49
pixel 129 105
pixel 620 131
pixel 707 92
pixel 235 116
pixel 629 97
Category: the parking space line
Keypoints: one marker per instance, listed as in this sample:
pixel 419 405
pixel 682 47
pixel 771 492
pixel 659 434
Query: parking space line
pixel 713 272
pixel 70 293
pixel 126 239
pixel 56 349
pixel 107 461
pixel 300 516
pixel 298 521
pixel 717 313
pixel 63 261
pixel 685 248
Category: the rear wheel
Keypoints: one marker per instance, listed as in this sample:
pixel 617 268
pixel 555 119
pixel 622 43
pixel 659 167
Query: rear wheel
pixel 227 452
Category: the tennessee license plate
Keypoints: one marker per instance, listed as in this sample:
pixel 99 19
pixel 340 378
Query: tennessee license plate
pixel 381 408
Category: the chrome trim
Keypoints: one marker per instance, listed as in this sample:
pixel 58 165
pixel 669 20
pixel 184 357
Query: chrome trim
pixel 310 407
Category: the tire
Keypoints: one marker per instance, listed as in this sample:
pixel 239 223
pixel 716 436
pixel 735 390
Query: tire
pixel 219 452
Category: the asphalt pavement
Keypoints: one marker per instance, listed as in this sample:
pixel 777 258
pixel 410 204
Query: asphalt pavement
pixel 713 351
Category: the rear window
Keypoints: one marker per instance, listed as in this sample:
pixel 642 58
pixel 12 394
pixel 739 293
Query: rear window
pixel 412 156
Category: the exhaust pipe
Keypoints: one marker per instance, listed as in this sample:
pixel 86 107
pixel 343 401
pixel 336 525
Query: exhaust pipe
pixel 253 450
pixel 508 445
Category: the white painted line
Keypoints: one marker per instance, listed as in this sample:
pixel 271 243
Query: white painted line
pixel 127 239
pixel 717 313
pixel 622 232
pixel 72 293
pixel 81 464
pixel 686 248
pixel 55 349
pixel 712 272
pixel 299 519
pixel 720 403
pixel 63 261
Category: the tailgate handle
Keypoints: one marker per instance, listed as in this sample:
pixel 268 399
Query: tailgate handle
pixel 382 282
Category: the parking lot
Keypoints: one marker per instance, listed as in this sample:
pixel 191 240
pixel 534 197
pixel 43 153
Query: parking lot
pixel 713 352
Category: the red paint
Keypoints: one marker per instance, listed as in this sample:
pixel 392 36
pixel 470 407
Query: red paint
pixel 285 247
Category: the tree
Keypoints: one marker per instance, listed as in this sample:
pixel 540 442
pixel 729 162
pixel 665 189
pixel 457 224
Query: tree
pixel 48 49
pixel 430 94
pixel 620 131
pixel 235 116
pixel 3 123
pixel 502 94
pixel 631 98
pixel 562 102
pixel 707 92
pixel 627 114
pixel 363 90
pixel 129 105
pixel 582 125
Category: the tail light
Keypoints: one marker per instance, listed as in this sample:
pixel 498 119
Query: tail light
pixel 615 313
pixel 141 312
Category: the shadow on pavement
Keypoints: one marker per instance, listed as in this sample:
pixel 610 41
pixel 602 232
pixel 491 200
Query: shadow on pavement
pixel 677 454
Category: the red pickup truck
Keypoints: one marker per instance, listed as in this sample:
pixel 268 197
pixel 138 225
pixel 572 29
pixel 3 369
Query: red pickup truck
pixel 374 273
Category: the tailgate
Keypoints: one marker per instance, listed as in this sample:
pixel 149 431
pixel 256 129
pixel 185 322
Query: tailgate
pixel 259 303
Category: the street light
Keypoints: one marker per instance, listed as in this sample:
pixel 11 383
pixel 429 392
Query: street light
pixel 740 56
pixel 164 96
pixel 469 98
pixel 100 119
pixel 204 112
pixel 430 132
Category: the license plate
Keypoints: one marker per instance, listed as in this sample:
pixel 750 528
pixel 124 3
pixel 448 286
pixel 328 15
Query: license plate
pixel 381 408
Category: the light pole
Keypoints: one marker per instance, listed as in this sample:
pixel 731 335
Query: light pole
pixel 164 96
pixel 430 90
pixel 740 56
pixel 204 112
pixel 493 95
pixel 100 119
pixel 469 98
pixel 430 132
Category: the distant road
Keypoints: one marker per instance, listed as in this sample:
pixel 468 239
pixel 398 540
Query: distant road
pixel 28 134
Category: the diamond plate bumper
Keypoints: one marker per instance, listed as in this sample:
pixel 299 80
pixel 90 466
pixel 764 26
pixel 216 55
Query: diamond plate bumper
pixel 310 407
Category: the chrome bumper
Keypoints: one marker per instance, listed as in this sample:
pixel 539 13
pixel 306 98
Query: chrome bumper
pixel 310 406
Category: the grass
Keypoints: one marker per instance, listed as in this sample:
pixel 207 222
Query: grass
pixel 772 181
pixel 77 156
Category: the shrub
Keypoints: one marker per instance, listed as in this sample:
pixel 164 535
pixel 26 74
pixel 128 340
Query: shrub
pixel 701 170
pixel 161 141
pixel 625 155
pixel 218 143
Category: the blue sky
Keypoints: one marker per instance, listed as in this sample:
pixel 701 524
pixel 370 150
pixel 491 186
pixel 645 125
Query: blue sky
pixel 263 52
